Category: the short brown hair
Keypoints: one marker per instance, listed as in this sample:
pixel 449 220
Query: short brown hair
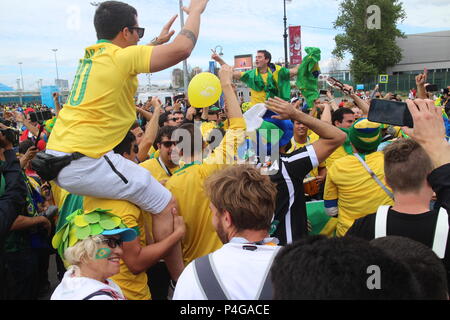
pixel 406 165
pixel 246 194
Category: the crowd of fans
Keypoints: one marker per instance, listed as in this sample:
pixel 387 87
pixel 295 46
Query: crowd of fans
pixel 182 205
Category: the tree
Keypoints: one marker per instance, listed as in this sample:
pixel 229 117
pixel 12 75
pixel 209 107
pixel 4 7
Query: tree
pixel 372 43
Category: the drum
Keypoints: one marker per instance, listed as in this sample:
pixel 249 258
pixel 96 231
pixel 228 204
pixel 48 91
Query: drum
pixel 310 186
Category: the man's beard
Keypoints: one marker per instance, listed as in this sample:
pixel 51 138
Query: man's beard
pixel 221 233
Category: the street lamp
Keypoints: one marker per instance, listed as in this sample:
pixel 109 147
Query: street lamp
pixel 56 63
pixel 21 77
pixel 221 50
pixel 285 35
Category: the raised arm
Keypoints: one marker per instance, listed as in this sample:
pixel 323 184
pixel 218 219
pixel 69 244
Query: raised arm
pixel 56 101
pixel 333 103
pixel 151 131
pixel 420 83
pixel 221 62
pixel 167 55
pixel 330 137
pixel 293 71
pixel 326 114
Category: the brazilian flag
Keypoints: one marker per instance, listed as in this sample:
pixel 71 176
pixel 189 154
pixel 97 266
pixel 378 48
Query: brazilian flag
pixel 318 221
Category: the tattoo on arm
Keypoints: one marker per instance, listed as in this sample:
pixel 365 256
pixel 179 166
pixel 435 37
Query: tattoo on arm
pixel 189 34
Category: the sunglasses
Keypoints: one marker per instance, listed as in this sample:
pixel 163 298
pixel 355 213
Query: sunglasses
pixel 139 30
pixel 136 148
pixel 176 119
pixel 113 242
pixel 168 144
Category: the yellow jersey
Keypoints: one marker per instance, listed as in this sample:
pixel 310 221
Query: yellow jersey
pixel 356 191
pixel 158 169
pixel 186 186
pixel 337 154
pixel 100 109
pixel 134 287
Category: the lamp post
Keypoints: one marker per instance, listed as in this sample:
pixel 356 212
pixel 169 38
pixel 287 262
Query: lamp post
pixel 221 50
pixel 185 69
pixel 56 63
pixel 21 77
pixel 285 35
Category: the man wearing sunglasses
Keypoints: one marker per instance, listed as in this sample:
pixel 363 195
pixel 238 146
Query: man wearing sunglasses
pixel 162 167
pixel 101 104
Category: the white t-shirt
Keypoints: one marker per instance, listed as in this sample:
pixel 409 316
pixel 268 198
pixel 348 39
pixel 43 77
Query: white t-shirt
pixel 241 272
pixel 73 287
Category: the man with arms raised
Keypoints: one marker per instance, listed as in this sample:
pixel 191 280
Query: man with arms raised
pixel 100 109
pixel 267 80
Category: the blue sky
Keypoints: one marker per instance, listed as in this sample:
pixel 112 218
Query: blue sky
pixel 31 29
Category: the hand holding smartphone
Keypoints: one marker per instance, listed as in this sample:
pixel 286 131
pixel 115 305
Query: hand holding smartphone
pixel 390 112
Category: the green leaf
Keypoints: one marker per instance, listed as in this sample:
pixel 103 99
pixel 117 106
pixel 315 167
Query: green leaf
pixel 83 233
pixel 92 217
pixel 108 224
pixel 96 229
pixel 73 239
pixel 80 221
pixel 66 233
pixel 57 238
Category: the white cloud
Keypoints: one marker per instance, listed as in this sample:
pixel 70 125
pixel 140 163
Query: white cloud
pixel 30 29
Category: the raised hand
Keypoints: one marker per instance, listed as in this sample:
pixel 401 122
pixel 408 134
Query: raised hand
pixel 226 75
pixel 196 6
pixel 284 109
pixel 166 34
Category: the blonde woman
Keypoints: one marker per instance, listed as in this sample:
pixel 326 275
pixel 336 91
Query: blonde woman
pixel 92 262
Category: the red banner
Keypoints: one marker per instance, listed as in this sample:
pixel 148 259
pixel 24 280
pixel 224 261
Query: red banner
pixel 295 45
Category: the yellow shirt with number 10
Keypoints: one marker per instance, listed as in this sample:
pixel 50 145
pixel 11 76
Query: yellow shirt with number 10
pixel 100 109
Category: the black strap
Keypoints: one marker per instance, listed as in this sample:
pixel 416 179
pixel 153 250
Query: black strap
pixel 208 280
pixel 267 290
pixel 115 170
pixel 100 293
pixel 77 155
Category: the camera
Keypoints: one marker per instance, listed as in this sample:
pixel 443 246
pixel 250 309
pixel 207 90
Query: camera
pixel 40 116
pixel 12 135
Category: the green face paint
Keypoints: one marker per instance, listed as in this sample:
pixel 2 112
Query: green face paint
pixel 103 253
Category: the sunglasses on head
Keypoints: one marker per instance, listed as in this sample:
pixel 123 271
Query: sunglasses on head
pixel 139 30
pixel 168 144
pixel 113 242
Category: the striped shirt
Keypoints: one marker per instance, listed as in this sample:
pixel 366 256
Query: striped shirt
pixel 290 211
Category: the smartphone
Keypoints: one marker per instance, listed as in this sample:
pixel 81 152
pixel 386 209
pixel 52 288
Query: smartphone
pixel 390 112
pixel 40 116
pixel 323 92
pixel 431 88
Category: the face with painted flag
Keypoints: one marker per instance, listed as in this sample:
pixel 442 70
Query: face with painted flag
pixel 106 262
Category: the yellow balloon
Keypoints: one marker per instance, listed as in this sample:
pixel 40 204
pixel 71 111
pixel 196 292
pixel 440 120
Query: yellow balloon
pixel 204 90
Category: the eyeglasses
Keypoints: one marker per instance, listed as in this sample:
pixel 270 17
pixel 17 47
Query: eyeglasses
pixel 168 144
pixel 113 242
pixel 139 30
pixel 136 148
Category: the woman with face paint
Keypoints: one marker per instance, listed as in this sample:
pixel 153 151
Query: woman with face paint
pixel 92 262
